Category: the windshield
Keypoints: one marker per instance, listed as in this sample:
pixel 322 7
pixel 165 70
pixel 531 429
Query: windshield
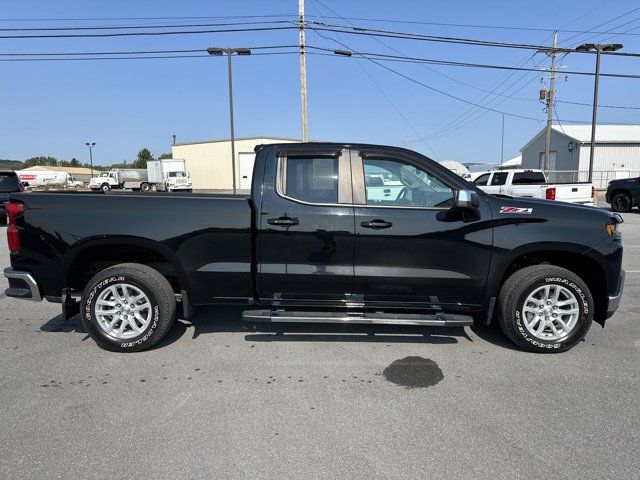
pixel 9 182
pixel 104 174
pixel 178 174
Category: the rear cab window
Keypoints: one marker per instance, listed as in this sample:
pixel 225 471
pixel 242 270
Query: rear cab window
pixel 499 178
pixel 311 179
pixel 528 178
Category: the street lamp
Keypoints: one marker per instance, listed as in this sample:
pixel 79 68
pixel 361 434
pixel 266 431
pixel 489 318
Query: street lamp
pixel 91 145
pixel 228 52
pixel 599 48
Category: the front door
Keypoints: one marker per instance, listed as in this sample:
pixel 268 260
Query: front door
pixel 306 231
pixel 408 252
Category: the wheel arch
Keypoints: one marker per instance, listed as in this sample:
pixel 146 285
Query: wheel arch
pixel 85 259
pixel 569 256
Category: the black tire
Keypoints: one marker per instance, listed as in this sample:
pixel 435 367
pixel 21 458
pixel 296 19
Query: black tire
pixel 145 187
pixel 621 202
pixel 105 187
pixel 148 281
pixel 520 285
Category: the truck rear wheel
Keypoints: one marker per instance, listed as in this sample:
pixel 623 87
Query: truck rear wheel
pixel 128 307
pixel 145 187
pixel 621 202
pixel 545 309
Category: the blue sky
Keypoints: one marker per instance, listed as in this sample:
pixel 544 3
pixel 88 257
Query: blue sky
pixel 52 108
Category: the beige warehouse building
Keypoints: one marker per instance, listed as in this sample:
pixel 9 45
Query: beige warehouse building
pixel 209 162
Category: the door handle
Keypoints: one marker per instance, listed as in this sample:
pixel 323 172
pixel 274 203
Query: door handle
pixel 377 224
pixel 283 221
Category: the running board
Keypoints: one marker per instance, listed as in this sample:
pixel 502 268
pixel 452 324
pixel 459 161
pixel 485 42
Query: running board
pixel 378 318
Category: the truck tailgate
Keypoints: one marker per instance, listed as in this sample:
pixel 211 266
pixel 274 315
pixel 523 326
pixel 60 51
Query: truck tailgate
pixel 574 192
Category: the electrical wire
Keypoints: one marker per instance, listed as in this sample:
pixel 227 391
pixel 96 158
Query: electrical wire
pixel 136 34
pixel 380 89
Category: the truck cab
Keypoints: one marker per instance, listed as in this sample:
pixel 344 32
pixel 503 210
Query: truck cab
pixel 105 181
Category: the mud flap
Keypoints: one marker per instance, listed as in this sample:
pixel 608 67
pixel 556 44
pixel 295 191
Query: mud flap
pixel 70 306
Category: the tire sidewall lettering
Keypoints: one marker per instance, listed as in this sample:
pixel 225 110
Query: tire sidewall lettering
pixel 575 289
pixel 90 305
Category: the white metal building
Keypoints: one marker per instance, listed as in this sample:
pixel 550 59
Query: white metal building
pixel 209 162
pixel 617 151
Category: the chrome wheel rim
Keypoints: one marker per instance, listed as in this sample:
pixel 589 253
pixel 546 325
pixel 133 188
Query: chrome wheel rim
pixel 123 311
pixel 551 312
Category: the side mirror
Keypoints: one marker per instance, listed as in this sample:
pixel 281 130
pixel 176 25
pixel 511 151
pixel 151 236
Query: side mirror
pixel 466 199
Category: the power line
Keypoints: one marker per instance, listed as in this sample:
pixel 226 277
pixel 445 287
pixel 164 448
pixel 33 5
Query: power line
pixel 135 34
pixel 380 89
pixel 406 59
pixel 582 104
pixel 132 57
pixel 130 52
pixel 418 82
pixel 591 30
pixel 135 27
pixel 92 19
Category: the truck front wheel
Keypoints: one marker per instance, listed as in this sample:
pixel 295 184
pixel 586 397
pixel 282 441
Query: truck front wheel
pixel 545 309
pixel 621 202
pixel 105 187
pixel 128 307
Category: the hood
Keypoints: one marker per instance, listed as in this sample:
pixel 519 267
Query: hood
pixel 537 208
pixel 623 181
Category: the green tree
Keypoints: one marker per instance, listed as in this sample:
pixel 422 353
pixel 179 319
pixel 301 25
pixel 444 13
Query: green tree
pixel 144 156
pixel 165 156
pixel 45 161
pixel 74 163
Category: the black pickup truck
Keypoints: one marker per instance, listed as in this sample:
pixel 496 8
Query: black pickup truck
pixel 342 233
pixel 623 194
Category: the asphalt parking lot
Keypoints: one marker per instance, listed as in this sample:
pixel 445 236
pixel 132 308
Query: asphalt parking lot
pixel 217 401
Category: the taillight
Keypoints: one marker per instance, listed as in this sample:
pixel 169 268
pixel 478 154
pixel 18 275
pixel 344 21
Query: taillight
pixel 550 193
pixel 13 210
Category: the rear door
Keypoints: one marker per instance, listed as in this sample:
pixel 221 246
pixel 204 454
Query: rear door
pixel 407 251
pixel 497 183
pixel 306 229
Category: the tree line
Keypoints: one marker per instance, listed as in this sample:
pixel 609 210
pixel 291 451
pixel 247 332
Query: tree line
pixel 140 161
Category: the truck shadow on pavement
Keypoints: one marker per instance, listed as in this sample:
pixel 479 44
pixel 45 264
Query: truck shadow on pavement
pixel 228 319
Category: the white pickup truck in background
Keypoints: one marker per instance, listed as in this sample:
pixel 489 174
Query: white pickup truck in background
pixel 533 184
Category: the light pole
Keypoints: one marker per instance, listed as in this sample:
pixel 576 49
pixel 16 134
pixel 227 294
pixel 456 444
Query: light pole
pixel 599 48
pixel 228 52
pixel 91 145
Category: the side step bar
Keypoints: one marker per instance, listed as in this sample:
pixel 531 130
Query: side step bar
pixel 379 318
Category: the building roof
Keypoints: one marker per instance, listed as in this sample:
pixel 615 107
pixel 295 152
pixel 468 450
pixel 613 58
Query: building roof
pixel 239 139
pixel 605 133
pixel 69 170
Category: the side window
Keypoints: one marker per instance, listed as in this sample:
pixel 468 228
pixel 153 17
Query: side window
pixel 313 180
pixel 482 179
pixel 499 178
pixel 398 184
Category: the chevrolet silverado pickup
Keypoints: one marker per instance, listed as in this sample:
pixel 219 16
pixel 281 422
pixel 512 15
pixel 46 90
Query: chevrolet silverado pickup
pixel 319 240
pixel 531 183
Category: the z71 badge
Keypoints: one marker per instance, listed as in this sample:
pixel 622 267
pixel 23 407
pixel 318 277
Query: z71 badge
pixel 519 210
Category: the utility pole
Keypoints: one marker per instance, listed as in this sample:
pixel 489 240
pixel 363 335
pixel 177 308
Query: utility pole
pixel 303 72
pixel 550 98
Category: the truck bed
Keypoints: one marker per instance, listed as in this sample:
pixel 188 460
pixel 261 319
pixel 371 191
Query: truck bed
pixel 208 236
